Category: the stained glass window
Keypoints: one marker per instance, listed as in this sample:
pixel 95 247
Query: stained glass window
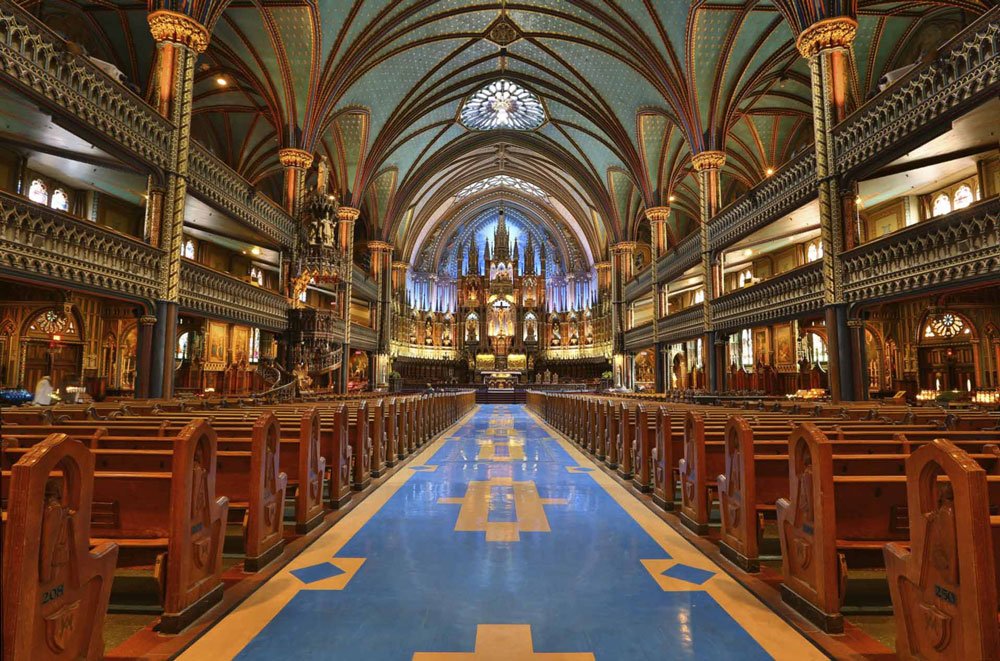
pixel 60 200
pixel 963 197
pixel 189 249
pixel 946 325
pixel 942 205
pixel 500 181
pixel 746 349
pixel 183 346
pixel 817 350
pixel 503 104
pixel 38 192
pixel 814 251
pixel 699 296
pixel 255 345
pixel 257 276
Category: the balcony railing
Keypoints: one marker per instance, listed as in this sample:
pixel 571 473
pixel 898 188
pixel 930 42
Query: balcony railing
pixel 639 337
pixel 686 255
pixel 960 247
pixel 796 292
pixel 47 244
pixel 790 187
pixel 221 295
pixel 222 186
pixel 683 325
pixel 34 59
pixel 965 73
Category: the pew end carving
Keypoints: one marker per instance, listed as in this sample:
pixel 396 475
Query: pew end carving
pixel 812 568
pixel 739 537
pixel 944 587
pixel 192 570
pixel 55 587
pixel 264 527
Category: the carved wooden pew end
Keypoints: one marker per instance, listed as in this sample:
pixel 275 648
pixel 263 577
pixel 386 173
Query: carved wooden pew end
pixel 55 588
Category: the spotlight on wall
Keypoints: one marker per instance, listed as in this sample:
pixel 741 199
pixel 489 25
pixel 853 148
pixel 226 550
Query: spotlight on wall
pixel 221 81
pixel 770 171
pixel 255 250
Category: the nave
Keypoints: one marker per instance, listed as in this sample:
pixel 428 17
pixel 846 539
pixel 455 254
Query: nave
pixel 501 541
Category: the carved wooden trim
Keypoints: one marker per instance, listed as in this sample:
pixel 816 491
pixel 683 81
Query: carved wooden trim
pixel 55 588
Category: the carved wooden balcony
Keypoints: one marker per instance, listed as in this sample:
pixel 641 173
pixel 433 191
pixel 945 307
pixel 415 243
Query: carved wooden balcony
pixel 220 295
pixel 45 244
pixel 684 256
pixel 789 188
pixel 965 73
pixel 34 61
pixel 363 337
pixel 227 190
pixel 960 247
pixel 639 337
pixel 788 295
pixel 684 325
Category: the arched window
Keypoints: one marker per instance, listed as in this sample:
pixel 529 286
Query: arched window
pixel 746 349
pixel 699 296
pixel 963 197
pixel 942 205
pixel 60 200
pixel 818 354
pixel 745 278
pixel 257 276
pixel 302 296
pixel 946 325
pixel 814 251
pixel 255 345
pixel 183 346
pixel 38 192
pixel 189 249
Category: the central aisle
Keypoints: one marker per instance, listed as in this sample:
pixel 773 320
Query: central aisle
pixel 500 541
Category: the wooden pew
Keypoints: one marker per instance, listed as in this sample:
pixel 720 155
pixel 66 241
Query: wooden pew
pixel 827 517
pixel 755 474
pixel 169 527
pixel 944 585
pixel 55 588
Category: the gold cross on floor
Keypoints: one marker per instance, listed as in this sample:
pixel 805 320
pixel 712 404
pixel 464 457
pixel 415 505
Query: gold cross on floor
pixel 503 642
pixel 528 513
pixel 488 451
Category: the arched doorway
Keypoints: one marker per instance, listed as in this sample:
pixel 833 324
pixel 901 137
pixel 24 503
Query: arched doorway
pixel 53 346
pixel 946 352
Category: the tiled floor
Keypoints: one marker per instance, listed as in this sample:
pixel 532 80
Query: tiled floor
pixel 501 541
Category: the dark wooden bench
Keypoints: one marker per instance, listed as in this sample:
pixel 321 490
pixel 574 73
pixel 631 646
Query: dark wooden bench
pixel 56 588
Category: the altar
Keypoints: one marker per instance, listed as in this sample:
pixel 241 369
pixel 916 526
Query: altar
pixel 501 380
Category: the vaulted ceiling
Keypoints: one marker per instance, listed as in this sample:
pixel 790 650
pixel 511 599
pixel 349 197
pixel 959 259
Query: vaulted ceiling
pixel 631 89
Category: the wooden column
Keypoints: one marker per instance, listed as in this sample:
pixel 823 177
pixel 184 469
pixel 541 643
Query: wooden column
pixel 346 217
pixel 658 217
pixel 827 45
pixel 708 165
pixel 296 163
pixel 381 272
pixel 179 40
pixel 621 272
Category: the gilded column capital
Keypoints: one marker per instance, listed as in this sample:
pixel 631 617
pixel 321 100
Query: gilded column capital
pixel 658 214
pixel 290 157
pixel 708 160
pixel 147 320
pixel 401 266
pixel 623 247
pixel 348 213
pixel 178 28
pixel 603 266
pixel 836 32
pixel 380 246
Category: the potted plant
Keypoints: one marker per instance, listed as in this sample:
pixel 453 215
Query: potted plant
pixel 395 381
pixel 607 379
